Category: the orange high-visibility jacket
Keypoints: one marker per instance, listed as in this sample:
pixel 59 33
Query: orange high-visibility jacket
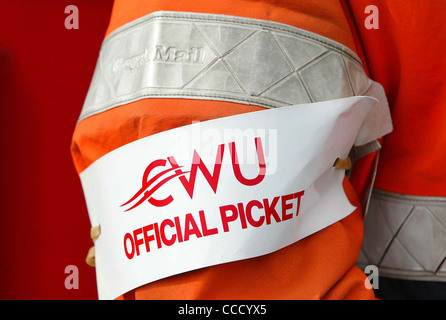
pixel 405 226
pixel 321 266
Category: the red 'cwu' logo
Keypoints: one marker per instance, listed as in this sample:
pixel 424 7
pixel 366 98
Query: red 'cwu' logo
pixel 145 193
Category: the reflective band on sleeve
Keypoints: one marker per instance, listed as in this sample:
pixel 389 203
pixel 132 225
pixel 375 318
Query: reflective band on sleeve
pixel 219 191
pixel 226 58
pixel 405 236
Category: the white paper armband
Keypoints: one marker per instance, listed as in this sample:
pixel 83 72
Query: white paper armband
pixel 219 191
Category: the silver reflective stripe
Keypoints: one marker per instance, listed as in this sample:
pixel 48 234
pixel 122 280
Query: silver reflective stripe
pixel 218 57
pixel 405 236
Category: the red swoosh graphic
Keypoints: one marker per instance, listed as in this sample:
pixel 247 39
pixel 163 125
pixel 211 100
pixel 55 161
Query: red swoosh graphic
pixel 146 185
pixel 148 193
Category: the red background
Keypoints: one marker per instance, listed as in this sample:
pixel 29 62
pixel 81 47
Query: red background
pixel 45 74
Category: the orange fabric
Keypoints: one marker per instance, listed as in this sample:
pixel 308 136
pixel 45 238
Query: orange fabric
pixel 320 266
pixel 102 133
pixel 323 17
pixel 411 36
